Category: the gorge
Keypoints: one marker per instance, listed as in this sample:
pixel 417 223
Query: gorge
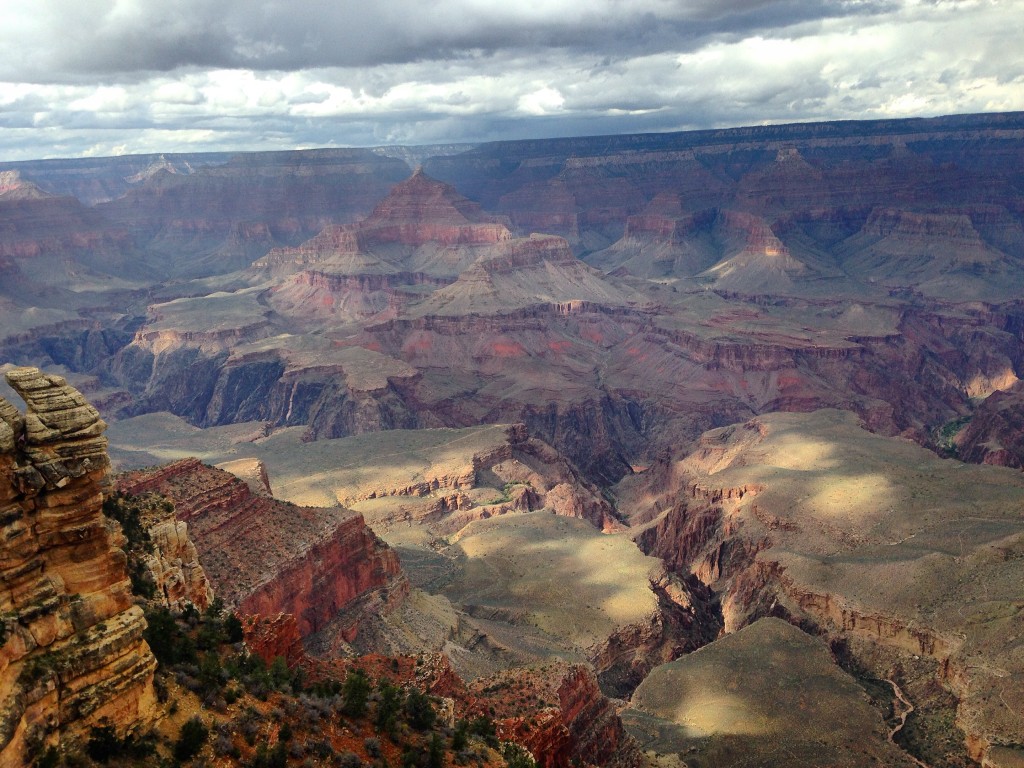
pixel 642 411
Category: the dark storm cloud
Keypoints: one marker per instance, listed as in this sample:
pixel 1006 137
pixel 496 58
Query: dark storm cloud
pixel 118 38
pixel 108 76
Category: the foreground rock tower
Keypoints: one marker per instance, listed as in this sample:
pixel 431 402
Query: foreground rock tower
pixel 71 647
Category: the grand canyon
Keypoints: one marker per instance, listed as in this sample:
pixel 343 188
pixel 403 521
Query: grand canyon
pixel 678 449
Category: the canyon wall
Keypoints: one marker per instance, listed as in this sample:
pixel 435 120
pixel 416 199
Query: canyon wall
pixel 265 556
pixel 898 558
pixel 560 715
pixel 71 649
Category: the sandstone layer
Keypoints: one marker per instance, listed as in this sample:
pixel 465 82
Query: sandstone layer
pixel 72 650
pixel 264 556
pixel 560 715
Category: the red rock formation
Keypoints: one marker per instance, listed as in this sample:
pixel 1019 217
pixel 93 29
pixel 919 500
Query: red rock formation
pixel 995 433
pixel 266 557
pixel 421 210
pixel 272 636
pixel 71 650
pixel 418 212
pixel 560 715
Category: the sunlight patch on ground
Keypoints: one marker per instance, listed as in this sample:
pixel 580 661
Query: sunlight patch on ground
pixel 564 575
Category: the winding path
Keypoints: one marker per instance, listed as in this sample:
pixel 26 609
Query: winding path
pixel 907 709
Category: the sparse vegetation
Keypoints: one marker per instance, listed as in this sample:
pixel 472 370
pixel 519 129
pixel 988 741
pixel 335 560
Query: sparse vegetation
pixel 932 735
pixel 129 511
pixel 945 435
pixel 260 715
pixel 517 757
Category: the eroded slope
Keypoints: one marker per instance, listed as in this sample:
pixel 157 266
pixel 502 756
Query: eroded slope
pixel 908 558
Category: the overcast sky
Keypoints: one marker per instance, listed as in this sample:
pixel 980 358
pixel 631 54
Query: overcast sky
pixel 102 77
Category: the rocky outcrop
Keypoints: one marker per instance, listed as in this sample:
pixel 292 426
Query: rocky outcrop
pixel 272 636
pixel 71 649
pixel 163 550
pixel 995 433
pixel 265 556
pixel 175 567
pixel 560 715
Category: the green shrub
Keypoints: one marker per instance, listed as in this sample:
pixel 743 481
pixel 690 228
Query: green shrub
pixel 435 752
pixel 419 711
pixel 233 631
pixel 355 692
pixel 191 739
pixel 388 707
pixel 460 738
pixel 166 639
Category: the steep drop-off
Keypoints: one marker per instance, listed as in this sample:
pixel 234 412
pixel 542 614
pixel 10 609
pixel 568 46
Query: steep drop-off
pixel 72 650
pixel 907 561
pixel 264 556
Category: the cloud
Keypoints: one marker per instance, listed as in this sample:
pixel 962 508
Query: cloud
pixel 147 75
pixel 125 37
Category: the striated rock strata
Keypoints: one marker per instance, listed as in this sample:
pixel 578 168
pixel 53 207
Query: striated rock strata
pixel 266 556
pixel 72 651
pixel 906 562
pixel 995 434
pixel 173 561
pixel 560 715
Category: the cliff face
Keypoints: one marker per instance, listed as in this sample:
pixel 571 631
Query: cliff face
pixel 72 650
pixel 851 535
pixel 560 715
pixel 223 217
pixel 995 434
pixel 266 556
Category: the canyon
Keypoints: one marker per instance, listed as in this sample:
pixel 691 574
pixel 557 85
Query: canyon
pixel 654 407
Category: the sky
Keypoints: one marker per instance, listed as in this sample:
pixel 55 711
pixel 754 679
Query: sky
pixel 107 77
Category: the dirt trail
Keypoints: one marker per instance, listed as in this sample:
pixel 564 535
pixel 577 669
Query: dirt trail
pixel 908 708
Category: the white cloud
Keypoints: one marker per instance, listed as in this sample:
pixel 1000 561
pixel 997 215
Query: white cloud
pixel 95 75
pixel 543 101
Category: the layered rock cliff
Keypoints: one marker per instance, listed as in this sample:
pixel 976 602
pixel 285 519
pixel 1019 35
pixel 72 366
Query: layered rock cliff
pixel 265 556
pixel 222 217
pixel 560 715
pixel 902 559
pixel 72 651
pixel 162 559
pixel 995 433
